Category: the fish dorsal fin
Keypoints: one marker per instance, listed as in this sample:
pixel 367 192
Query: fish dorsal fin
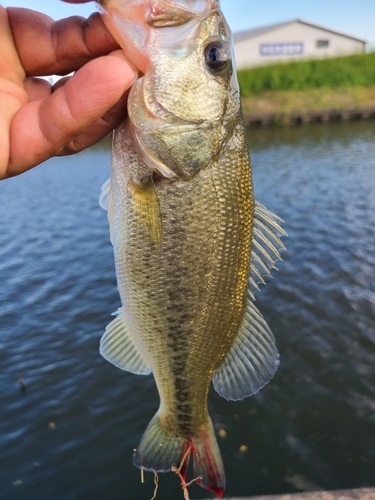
pixel 118 347
pixel 252 360
pixel 106 202
pixel 265 246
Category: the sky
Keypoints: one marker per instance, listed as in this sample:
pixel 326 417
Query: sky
pixel 355 17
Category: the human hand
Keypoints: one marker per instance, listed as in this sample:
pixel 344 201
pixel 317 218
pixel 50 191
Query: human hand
pixel 38 121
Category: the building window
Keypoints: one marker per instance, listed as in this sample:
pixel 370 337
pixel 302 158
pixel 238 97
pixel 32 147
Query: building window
pixel 320 44
pixel 281 49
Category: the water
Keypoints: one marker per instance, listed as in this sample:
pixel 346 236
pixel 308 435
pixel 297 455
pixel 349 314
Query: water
pixel 71 435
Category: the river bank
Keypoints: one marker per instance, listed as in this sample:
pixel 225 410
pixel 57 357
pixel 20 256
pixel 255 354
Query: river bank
pixel 289 107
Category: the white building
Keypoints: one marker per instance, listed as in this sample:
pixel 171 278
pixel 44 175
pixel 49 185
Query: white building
pixel 295 39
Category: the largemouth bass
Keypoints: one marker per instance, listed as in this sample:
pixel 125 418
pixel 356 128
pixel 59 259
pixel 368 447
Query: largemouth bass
pixel 190 242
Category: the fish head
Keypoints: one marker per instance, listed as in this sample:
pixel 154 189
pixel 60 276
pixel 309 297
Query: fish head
pixel 179 113
pixel 178 109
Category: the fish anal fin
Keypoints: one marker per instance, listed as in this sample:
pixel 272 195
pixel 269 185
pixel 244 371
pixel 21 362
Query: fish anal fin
pixel 251 361
pixel 119 348
pixel 147 209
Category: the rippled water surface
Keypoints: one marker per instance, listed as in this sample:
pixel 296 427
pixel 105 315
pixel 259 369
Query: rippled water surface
pixel 70 436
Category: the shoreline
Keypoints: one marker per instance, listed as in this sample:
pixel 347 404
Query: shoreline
pixel 264 119
pixel 294 107
pixel 353 494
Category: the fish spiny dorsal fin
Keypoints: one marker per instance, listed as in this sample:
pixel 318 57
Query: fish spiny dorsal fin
pixel 266 245
pixel 252 360
pixel 106 202
pixel 118 347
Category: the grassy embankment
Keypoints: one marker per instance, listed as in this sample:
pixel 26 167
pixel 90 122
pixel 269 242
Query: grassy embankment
pixel 341 83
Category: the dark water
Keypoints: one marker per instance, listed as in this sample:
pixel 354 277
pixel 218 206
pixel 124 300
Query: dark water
pixel 71 435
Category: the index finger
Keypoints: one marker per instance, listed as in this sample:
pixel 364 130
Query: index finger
pixel 46 47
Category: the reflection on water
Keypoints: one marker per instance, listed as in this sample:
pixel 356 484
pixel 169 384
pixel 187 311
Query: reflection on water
pixel 71 435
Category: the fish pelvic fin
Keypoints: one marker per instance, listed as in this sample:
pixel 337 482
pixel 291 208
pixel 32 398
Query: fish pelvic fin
pixel 161 450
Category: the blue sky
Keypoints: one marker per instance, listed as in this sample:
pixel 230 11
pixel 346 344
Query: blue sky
pixel 352 17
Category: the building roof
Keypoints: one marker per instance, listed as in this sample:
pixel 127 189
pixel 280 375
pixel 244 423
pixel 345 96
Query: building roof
pixel 244 35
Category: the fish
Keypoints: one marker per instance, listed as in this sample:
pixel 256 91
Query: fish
pixel 191 244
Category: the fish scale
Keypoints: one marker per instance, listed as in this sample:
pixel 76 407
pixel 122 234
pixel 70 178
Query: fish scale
pixel 182 211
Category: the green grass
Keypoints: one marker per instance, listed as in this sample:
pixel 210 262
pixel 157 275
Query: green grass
pixel 284 102
pixel 349 71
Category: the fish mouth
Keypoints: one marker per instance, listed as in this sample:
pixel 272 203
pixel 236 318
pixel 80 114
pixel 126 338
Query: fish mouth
pixel 171 13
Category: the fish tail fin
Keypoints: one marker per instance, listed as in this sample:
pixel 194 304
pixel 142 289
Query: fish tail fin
pixel 208 464
pixel 161 451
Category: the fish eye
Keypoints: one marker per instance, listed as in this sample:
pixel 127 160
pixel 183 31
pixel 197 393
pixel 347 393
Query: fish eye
pixel 216 56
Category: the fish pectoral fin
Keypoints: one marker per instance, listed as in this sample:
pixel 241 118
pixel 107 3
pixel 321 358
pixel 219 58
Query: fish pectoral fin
pixel 265 246
pixel 106 202
pixel 162 450
pixel 252 360
pixel 118 347
pixel 147 209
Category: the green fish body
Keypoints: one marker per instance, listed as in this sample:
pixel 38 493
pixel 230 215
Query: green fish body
pixel 190 242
